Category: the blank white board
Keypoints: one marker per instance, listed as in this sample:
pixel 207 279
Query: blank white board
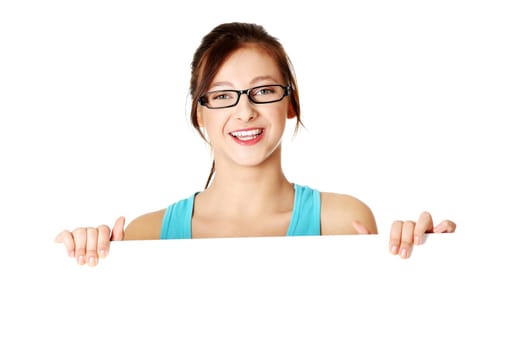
pixel 335 292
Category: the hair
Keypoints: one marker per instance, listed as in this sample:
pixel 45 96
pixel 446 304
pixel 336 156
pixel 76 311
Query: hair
pixel 217 46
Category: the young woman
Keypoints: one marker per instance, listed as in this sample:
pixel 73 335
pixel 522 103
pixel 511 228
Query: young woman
pixel 243 91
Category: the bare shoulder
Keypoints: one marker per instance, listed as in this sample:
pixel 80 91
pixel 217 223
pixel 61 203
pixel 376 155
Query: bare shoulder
pixel 338 211
pixel 146 226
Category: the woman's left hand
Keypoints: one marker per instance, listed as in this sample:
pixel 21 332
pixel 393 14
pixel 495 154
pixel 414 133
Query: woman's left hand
pixel 404 234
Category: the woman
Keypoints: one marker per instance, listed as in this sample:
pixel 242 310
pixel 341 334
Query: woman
pixel 243 91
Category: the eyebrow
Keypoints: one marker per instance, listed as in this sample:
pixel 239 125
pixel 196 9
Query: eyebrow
pixel 253 81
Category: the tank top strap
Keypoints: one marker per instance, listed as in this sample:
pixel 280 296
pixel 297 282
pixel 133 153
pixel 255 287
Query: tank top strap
pixel 176 223
pixel 306 215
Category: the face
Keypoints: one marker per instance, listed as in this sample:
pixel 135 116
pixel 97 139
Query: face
pixel 247 134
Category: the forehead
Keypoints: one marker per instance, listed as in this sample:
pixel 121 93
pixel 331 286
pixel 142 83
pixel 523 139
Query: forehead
pixel 247 64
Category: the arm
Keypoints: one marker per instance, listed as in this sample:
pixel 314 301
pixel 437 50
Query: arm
pixel 145 227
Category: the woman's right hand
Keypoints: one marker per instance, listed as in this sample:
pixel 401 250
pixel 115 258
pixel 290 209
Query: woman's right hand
pixel 88 244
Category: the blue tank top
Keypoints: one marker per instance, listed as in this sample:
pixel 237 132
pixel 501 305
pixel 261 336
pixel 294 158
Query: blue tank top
pixel 305 221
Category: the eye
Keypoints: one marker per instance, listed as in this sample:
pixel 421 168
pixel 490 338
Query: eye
pixel 222 95
pixel 264 90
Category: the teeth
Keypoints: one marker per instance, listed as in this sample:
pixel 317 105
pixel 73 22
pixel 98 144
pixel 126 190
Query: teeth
pixel 246 133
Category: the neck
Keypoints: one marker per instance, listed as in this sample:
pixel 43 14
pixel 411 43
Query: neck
pixel 249 189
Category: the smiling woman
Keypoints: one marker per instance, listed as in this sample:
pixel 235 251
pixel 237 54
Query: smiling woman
pixel 247 184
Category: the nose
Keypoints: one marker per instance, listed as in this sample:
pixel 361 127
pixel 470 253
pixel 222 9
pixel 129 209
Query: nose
pixel 245 110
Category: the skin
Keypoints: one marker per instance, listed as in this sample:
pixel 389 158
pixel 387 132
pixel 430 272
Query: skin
pixel 249 180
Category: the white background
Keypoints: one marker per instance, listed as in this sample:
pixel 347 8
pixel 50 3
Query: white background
pixel 408 106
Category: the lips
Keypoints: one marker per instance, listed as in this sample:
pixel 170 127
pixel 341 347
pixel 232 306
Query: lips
pixel 247 136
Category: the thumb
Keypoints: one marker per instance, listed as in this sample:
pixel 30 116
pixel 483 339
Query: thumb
pixel 117 234
pixel 360 228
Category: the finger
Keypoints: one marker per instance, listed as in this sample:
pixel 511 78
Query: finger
pixel 445 226
pixel 423 225
pixel 360 228
pixel 67 238
pixel 407 239
pixel 117 234
pixel 395 236
pixel 91 246
pixel 104 234
pixel 79 235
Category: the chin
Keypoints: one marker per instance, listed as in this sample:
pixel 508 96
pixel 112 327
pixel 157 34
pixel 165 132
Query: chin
pixel 251 162
pixel 255 157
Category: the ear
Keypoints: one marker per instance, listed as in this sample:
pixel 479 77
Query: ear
pixel 199 117
pixel 291 112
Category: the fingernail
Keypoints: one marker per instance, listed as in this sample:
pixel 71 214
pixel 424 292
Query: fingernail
pixel 80 260
pixel 91 261
pixel 403 253
pixel 102 253
pixel 71 254
pixel 393 249
pixel 417 240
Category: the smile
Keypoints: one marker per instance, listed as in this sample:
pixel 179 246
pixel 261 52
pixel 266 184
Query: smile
pixel 247 137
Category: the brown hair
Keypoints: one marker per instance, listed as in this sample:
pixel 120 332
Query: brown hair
pixel 218 45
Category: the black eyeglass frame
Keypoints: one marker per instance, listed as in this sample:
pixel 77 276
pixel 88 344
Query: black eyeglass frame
pixel 287 89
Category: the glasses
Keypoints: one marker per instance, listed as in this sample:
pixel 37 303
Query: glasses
pixel 258 95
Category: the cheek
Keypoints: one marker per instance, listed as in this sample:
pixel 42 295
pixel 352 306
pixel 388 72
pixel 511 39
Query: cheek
pixel 283 115
pixel 279 123
pixel 212 127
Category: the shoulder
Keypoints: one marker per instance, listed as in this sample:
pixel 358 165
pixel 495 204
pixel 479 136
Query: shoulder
pixel 149 225
pixel 338 211
pixel 146 226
